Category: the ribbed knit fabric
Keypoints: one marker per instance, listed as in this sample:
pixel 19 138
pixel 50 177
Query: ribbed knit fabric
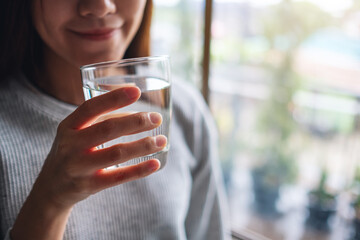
pixel 184 200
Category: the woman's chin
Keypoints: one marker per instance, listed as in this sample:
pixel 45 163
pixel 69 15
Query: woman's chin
pixel 97 59
pixel 94 52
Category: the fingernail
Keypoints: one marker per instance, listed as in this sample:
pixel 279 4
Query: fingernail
pixel 160 140
pixel 154 166
pixel 131 92
pixel 155 118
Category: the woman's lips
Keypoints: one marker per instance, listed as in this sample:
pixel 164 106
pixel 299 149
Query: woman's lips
pixel 97 34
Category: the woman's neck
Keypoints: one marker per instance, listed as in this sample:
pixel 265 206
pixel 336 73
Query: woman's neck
pixel 60 79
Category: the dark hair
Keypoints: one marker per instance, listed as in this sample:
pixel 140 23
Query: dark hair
pixel 21 46
pixel 140 45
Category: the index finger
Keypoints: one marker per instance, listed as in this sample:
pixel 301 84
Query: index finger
pixel 91 109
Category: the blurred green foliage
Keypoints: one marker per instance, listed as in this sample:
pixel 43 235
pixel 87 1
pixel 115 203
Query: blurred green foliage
pixel 285 26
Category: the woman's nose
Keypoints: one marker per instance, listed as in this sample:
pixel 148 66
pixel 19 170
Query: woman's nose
pixel 96 8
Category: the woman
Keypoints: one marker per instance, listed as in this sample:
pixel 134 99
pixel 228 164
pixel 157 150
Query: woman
pixel 43 116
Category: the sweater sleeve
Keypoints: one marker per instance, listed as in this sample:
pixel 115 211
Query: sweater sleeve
pixel 207 215
pixel 4 231
pixel 7 235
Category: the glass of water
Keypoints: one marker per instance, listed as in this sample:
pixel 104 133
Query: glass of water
pixel 152 76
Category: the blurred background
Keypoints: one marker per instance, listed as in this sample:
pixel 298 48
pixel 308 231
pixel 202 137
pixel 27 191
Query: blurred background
pixel 284 88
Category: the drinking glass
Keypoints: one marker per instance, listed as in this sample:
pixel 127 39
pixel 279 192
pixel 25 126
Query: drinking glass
pixel 152 76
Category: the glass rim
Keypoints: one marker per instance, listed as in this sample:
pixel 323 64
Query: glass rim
pixel 123 62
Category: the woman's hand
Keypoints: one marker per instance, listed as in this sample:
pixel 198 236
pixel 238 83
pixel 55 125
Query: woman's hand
pixel 74 168
pixel 74 165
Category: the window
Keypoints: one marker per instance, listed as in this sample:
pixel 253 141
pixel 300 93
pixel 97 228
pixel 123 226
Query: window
pixel 285 93
pixel 177 31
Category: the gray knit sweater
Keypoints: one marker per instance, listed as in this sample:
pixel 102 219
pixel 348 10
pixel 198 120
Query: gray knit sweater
pixel 182 201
